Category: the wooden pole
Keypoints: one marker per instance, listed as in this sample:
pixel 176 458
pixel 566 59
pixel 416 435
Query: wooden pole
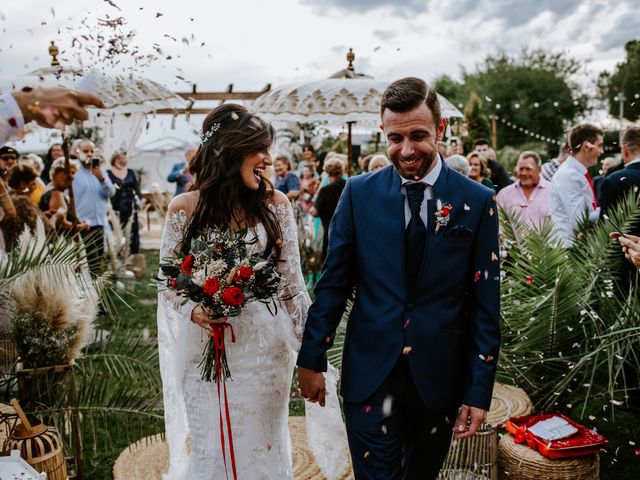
pixel 494 132
pixel 349 147
pixel 71 213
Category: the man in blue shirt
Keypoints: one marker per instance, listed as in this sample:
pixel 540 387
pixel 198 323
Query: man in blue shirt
pixel 180 172
pixel 92 190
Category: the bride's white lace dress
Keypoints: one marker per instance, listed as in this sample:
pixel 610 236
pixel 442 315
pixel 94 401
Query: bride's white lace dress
pixel 261 362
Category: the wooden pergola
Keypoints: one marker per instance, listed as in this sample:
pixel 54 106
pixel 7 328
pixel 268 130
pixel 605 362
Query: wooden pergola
pixel 195 96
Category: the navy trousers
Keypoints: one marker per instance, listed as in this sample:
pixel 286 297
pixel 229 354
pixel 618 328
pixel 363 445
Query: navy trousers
pixel 392 435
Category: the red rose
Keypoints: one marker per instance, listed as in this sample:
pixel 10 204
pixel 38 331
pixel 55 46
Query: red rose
pixel 174 283
pixel 243 274
pixel 445 211
pixel 187 265
pixel 211 286
pixel 233 296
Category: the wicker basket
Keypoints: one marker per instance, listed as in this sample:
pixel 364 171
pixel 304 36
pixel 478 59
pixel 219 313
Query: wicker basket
pixel 39 445
pixel 473 458
pixel 506 402
pixel 524 463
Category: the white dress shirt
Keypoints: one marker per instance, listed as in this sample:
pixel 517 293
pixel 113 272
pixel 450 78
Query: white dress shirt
pixel 635 160
pixel 570 195
pixel 429 179
pixel 11 119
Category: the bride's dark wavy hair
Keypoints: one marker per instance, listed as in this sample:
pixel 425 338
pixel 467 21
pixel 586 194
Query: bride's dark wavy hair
pixel 216 169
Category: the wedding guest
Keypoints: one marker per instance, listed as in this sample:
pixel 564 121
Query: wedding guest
pixel 55 200
pixel 56 106
pixel 286 181
pixel 478 170
pixel 309 159
pixel 55 152
pixel 572 192
pixel 308 188
pixel 617 185
pixel 609 165
pixel 529 196
pixel 328 197
pixel 459 163
pixel 378 161
pixel 36 162
pixel 180 174
pixel 551 167
pixel 8 158
pixel 127 198
pixel 21 179
pixel 93 189
pixel 498 176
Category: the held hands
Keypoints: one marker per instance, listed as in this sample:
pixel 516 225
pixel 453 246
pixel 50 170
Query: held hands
pixel 311 385
pixel 468 421
pixel 201 317
pixel 51 106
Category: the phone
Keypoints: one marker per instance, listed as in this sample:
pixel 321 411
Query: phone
pixel 616 228
pixel 453 141
pixel 95 162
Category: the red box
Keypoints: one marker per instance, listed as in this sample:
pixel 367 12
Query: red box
pixel 583 442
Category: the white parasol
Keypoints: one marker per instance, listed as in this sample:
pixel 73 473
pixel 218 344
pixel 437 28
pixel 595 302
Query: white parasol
pixel 345 97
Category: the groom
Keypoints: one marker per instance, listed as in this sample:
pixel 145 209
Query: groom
pixel 419 243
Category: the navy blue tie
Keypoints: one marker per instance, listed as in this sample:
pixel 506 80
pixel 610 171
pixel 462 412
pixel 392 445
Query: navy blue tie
pixel 415 233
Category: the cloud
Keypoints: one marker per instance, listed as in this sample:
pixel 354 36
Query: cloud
pixel 514 13
pixel 621 31
pixel 403 8
pixel 385 35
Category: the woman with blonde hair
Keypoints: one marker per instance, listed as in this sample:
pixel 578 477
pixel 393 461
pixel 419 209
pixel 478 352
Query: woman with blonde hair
pixel 479 171
pixel 377 162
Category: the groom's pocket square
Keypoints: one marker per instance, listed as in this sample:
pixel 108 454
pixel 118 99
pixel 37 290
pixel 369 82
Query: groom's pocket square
pixel 459 231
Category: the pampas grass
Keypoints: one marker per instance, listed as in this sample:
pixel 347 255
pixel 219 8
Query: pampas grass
pixel 52 307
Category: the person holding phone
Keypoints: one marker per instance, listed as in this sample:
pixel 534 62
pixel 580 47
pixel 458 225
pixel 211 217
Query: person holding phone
pixel 93 189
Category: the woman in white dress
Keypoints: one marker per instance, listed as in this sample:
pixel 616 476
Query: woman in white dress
pixel 231 192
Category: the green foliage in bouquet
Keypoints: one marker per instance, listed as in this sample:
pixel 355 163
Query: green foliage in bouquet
pixel 570 318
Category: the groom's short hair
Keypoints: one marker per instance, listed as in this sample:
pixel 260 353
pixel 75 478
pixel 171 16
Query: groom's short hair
pixel 408 93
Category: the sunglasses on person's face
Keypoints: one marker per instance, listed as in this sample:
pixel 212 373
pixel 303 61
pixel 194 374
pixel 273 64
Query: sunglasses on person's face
pixel 8 158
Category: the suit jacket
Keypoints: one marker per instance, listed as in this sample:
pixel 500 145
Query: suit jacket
pixel 450 319
pixel 614 188
pixel 616 185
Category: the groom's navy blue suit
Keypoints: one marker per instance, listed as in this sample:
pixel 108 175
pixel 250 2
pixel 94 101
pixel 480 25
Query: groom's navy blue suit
pixel 449 319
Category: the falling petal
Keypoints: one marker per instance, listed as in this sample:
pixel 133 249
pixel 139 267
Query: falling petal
pixel 387 405
pixel 406 350
pixel 467 207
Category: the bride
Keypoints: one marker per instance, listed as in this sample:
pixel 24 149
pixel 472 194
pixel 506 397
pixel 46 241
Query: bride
pixel 231 191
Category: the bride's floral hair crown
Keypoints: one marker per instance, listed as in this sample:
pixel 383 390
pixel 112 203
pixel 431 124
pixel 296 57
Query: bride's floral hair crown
pixel 206 136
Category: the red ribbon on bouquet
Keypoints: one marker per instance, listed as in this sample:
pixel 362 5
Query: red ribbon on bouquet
pixel 217 332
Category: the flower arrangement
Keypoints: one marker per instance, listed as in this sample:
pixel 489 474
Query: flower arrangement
pixel 221 274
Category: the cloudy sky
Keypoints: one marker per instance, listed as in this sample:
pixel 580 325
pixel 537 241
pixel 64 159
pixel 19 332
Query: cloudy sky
pixel 254 42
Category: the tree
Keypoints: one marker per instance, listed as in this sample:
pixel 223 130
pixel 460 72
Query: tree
pixel 478 125
pixel 626 80
pixel 532 92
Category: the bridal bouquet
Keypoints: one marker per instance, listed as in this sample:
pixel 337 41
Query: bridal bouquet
pixel 221 274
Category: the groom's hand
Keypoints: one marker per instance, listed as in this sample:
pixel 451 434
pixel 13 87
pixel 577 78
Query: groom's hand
pixel 311 385
pixel 468 421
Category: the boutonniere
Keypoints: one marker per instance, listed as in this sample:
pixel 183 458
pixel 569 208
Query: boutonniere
pixel 442 214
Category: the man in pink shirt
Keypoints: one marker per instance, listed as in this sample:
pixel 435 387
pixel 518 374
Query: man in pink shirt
pixel 529 196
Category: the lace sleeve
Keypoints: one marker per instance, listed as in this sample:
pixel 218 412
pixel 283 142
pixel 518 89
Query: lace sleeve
pixel 171 236
pixel 295 299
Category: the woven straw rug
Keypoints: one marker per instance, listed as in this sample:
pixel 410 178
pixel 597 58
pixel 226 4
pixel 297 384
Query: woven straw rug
pixel 147 459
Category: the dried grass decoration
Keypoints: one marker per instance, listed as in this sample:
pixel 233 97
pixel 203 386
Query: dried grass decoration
pixel 52 305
